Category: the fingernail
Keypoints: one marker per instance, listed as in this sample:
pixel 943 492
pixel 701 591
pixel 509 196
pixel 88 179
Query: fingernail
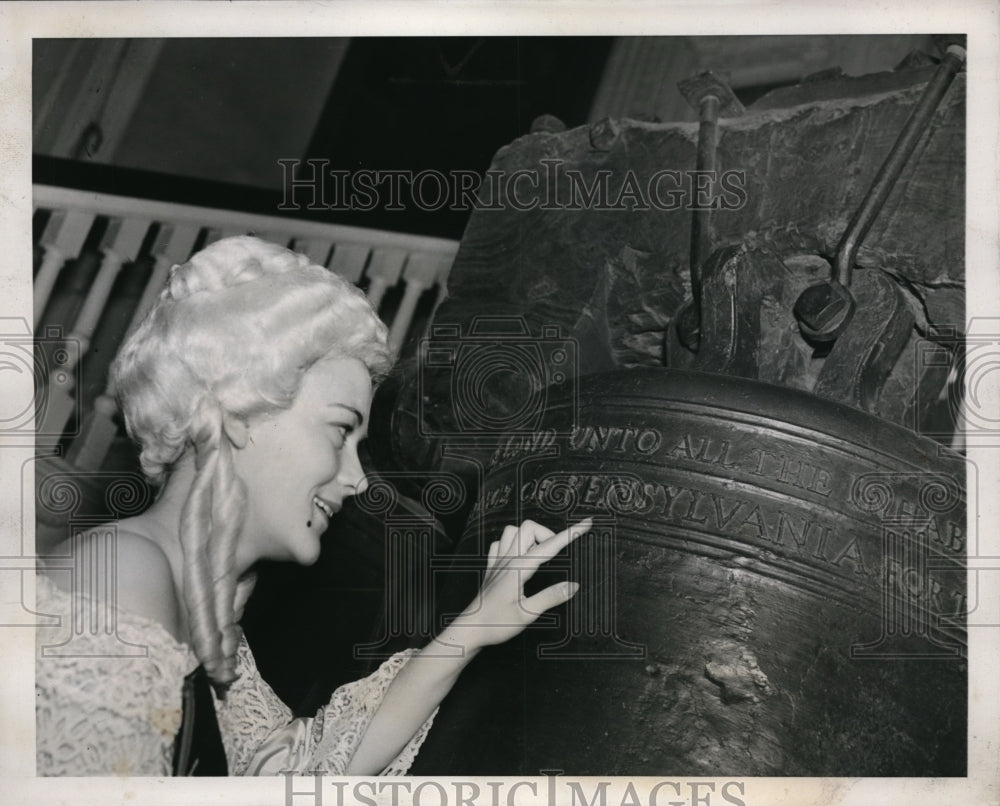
pixel 572 588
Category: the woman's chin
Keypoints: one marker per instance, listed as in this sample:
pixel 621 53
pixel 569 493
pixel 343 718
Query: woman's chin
pixel 307 554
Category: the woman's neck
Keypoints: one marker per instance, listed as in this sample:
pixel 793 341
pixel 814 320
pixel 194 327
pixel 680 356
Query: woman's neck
pixel 162 521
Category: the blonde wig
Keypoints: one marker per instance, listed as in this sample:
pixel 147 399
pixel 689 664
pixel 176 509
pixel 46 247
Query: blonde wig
pixel 230 337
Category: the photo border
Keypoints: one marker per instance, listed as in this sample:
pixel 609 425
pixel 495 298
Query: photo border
pixel 20 22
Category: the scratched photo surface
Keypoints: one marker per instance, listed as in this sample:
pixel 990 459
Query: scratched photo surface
pixel 707 291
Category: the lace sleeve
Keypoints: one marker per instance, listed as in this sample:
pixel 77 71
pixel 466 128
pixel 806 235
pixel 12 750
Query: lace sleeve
pixel 107 703
pixel 326 742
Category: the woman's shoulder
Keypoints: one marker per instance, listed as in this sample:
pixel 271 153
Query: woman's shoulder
pixel 117 562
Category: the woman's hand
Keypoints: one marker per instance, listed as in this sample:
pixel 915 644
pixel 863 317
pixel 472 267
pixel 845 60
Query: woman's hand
pixel 501 610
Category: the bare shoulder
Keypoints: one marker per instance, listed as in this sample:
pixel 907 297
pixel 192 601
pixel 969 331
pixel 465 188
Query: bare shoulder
pixel 138 567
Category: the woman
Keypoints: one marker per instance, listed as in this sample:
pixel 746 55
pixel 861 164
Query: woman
pixel 248 387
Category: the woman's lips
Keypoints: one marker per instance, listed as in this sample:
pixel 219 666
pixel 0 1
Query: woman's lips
pixel 328 508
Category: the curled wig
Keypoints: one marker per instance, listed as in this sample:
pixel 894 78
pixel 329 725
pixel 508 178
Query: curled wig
pixel 230 337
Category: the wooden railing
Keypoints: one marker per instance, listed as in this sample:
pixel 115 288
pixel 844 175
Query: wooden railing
pixel 124 230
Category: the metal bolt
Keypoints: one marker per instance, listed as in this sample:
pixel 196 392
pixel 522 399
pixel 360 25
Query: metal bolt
pixel 547 124
pixel 713 98
pixel 824 310
pixel 603 134
pixel 708 84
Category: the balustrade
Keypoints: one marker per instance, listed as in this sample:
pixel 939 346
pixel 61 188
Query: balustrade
pixel 127 229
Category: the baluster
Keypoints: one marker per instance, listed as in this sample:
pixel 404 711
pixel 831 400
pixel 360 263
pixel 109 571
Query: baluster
pixel 280 238
pixel 62 240
pixel 120 245
pixel 218 233
pixel 173 245
pixel 420 273
pixel 316 249
pixel 384 272
pixel 442 283
pixel 349 261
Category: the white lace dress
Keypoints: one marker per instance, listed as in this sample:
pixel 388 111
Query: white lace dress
pixel 103 708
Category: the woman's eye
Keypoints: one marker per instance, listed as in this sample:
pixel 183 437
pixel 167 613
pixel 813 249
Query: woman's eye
pixel 342 431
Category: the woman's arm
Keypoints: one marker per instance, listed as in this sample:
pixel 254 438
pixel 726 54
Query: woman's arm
pixel 499 612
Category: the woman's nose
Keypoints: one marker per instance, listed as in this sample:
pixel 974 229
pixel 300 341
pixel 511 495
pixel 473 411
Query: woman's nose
pixel 352 474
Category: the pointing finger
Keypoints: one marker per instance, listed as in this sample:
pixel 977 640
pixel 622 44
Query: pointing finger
pixel 549 597
pixel 530 534
pixel 551 547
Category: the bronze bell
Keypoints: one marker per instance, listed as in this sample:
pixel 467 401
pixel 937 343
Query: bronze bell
pixel 774 585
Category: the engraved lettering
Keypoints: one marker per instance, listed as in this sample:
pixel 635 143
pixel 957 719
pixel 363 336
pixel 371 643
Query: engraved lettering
pixel 615 439
pixel 808 476
pixel 648 441
pixel 821 544
pixel 605 435
pixel 822 484
pixel 497 497
pixel 790 471
pixel 524 445
pixel 683 446
pixel 720 457
pixel 799 538
pixel 934 533
pixel 721 517
pixel 956 537
pixel 724 458
pixel 593 492
pixel 628 433
pixel 756 520
pixel 852 552
pixel 762 461
pixel 910 584
pixel 689 515
pixel 960 600
pixel 658 498
pixel 672 494
pixel 546 485
pixel 892 574
pixel 936 605
pixel 642 497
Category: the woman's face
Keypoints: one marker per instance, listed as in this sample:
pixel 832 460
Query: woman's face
pixel 300 463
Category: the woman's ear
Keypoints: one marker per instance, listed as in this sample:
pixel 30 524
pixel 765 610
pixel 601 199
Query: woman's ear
pixel 236 430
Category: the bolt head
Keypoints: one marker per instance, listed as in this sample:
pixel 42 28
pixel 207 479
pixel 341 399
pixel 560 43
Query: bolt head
pixel 707 83
pixel 824 310
pixel 603 134
pixel 547 124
